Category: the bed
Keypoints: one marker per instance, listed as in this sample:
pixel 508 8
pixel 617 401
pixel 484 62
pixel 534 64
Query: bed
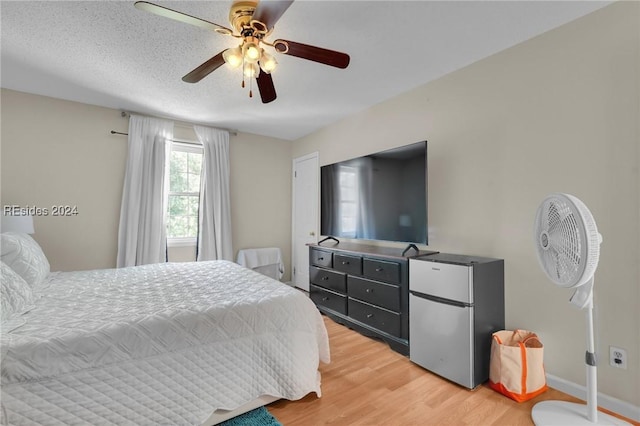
pixel 164 344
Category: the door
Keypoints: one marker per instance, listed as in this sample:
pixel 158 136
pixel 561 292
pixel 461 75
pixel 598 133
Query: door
pixel 443 280
pixel 305 216
pixel 441 337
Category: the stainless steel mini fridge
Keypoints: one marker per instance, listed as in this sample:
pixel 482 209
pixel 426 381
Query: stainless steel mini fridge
pixel 455 303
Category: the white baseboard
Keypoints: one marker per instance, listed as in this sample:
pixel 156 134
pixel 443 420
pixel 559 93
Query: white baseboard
pixel 622 408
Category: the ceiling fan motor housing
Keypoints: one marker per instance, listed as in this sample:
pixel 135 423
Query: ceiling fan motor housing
pixel 241 12
pixel 568 242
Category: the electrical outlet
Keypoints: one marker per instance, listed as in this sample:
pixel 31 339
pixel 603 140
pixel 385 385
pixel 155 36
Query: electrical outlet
pixel 618 357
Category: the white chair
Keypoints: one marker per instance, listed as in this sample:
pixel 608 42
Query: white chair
pixel 267 261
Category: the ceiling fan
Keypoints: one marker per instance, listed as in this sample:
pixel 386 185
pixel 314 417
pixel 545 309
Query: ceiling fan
pixel 252 22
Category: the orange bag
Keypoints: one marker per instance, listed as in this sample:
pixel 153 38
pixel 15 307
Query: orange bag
pixel 516 368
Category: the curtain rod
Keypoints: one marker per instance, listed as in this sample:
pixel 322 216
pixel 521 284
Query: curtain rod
pixel 184 124
pixel 113 132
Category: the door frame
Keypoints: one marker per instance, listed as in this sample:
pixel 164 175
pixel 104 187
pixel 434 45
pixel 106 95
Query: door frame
pixel 314 155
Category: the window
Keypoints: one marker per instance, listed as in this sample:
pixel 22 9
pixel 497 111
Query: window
pixel 184 193
pixel 348 180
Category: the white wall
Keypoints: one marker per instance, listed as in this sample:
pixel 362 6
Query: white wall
pixel 61 152
pixel 558 113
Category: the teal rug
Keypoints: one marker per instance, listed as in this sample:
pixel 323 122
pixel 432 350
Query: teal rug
pixel 258 417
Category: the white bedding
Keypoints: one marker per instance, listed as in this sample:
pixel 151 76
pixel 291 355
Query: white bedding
pixel 161 344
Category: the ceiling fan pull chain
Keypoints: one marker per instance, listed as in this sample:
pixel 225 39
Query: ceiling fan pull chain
pixel 251 87
pixel 243 71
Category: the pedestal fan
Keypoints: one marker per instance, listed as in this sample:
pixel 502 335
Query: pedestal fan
pixel 568 247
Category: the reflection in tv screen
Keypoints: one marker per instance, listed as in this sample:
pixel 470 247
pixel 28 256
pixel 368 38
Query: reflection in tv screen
pixel 381 196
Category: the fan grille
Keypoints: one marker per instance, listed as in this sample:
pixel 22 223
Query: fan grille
pixel 567 240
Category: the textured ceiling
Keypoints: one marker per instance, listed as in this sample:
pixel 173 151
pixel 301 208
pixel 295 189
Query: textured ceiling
pixel 111 54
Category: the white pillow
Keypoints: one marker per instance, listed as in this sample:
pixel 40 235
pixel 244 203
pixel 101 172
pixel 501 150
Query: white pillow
pixel 16 296
pixel 23 254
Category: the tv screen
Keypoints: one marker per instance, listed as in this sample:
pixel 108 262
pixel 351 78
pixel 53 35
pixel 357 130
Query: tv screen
pixel 382 196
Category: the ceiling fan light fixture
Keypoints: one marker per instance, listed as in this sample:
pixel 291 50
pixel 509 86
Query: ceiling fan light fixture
pixel 253 22
pixel 233 57
pixel 268 63
pixel 251 70
pixel 251 51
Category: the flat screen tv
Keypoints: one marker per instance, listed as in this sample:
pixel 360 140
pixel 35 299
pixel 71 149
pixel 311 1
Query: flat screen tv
pixel 381 196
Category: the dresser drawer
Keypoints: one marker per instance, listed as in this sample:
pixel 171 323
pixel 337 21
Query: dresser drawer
pixel 328 299
pixel 321 258
pixel 378 318
pixel 328 279
pixel 381 270
pixel 376 293
pixel 348 264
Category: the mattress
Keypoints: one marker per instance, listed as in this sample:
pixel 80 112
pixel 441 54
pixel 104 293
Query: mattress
pixel 162 344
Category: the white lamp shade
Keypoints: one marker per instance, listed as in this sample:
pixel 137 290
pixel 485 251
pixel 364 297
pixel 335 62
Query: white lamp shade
pixel 22 224
pixel 251 70
pixel 251 52
pixel 268 63
pixel 233 57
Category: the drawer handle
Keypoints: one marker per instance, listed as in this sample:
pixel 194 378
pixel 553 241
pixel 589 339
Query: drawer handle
pixel 324 299
pixel 369 315
pixel 321 258
pixel 325 278
pixel 369 290
pixel 379 269
pixel 345 262
pixel 436 269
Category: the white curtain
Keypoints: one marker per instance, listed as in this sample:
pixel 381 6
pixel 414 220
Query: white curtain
pixel 330 200
pixel 365 227
pixel 142 236
pixel 214 221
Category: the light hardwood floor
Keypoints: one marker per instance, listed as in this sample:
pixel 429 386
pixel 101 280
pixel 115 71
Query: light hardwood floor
pixel 367 383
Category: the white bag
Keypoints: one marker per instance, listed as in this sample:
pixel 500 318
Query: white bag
pixel 516 368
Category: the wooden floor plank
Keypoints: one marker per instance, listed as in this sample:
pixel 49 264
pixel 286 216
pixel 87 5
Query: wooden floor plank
pixel 367 384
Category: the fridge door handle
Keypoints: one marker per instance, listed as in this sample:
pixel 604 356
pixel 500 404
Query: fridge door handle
pixel 440 299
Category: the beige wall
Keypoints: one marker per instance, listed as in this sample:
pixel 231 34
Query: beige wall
pixel 261 194
pixel 558 113
pixel 57 152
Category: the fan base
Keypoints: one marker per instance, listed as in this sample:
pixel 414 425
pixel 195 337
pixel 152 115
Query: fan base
pixel 563 413
pixel 241 12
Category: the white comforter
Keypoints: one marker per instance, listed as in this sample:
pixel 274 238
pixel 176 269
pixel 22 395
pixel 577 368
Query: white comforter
pixel 159 344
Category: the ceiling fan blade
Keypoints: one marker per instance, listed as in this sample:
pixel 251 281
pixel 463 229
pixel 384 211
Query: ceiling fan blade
pixel 266 87
pixel 269 11
pixel 204 70
pixel 182 17
pixel 312 53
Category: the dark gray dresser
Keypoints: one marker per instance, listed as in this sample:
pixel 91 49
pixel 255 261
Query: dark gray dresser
pixel 365 288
